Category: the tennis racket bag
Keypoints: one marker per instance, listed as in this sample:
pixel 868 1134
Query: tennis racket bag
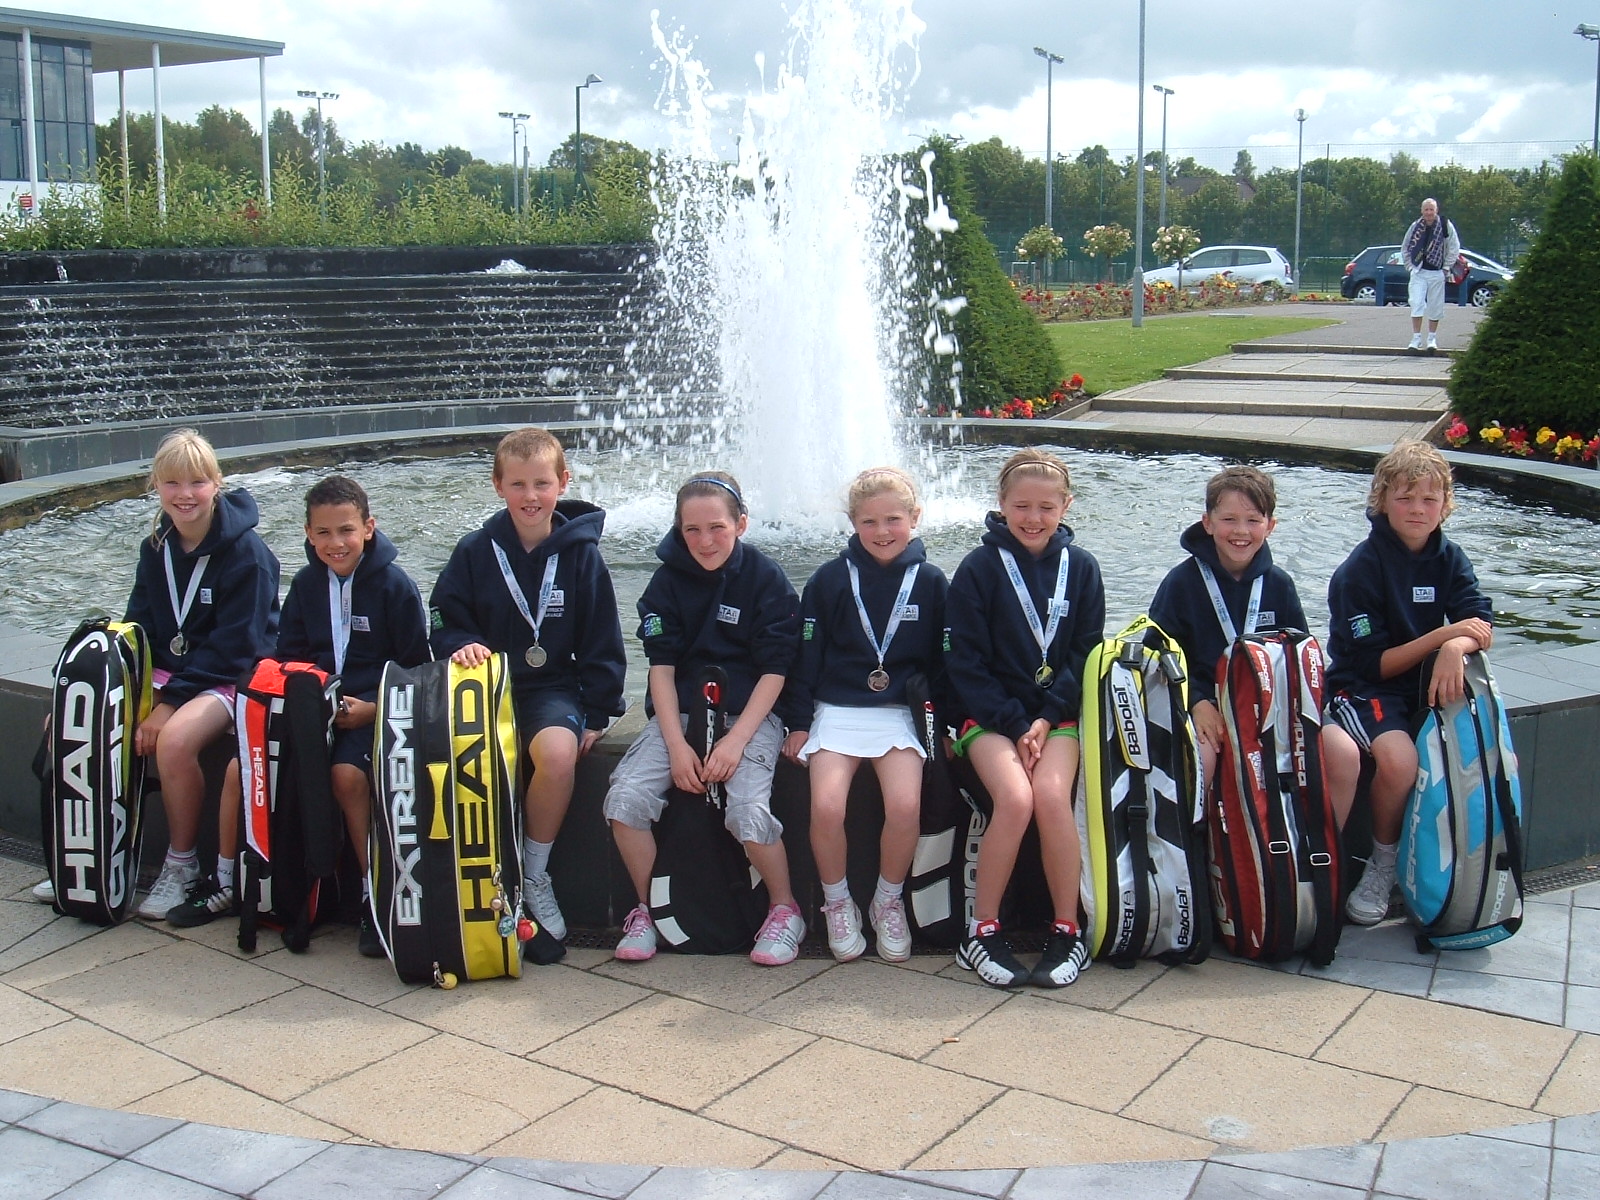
pixel 283 712
pixel 705 897
pixel 446 824
pixel 941 889
pixel 1460 856
pixel 1139 806
pixel 92 782
pixel 1273 838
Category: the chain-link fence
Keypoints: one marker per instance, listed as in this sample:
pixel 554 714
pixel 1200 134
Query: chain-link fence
pixel 1351 196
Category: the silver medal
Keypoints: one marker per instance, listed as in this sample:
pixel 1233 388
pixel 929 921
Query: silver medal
pixel 179 645
pixel 536 656
pixel 1043 675
pixel 878 681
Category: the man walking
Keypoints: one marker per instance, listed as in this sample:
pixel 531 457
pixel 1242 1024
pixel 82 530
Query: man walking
pixel 1430 249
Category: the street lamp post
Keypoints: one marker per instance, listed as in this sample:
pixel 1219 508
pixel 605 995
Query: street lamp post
pixel 322 150
pixel 518 200
pixel 1136 285
pixel 1161 221
pixel 1050 61
pixel 1299 187
pixel 577 141
pixel 1592 33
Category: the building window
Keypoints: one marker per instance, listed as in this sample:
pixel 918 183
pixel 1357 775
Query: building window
pixel 63 110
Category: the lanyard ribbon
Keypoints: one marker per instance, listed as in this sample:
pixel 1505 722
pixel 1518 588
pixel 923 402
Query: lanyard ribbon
pixel 1252 614
pixel 546 587
pixel 907 582
pixel 1046 633
pixel 181 611
pixel 340 590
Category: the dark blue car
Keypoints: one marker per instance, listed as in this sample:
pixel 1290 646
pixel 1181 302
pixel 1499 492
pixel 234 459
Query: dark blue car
pixel 1361 277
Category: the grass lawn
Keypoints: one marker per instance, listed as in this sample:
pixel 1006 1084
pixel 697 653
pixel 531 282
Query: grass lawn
pixel 1113 354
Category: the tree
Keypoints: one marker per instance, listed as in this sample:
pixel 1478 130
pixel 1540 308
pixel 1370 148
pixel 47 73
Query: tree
pixel 1484 210
pixel 1244 167
pixel 1215 211
pixel 597 151
pixel 1535 358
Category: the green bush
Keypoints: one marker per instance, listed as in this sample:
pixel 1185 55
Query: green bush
pixel 1535 359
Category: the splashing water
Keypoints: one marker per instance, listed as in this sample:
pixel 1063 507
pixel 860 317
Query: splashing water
pixel 786 298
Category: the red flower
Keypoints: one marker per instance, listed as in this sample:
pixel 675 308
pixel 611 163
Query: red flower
pixel 1075 383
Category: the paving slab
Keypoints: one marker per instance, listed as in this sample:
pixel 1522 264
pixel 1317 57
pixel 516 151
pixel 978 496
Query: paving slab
pixel 231 1160
pixel 110 1132
pixel 130 1181
pixel 39 1166
pixel 1463 1168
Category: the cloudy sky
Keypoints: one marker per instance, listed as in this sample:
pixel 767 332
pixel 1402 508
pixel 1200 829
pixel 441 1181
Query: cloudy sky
pixel 1467 73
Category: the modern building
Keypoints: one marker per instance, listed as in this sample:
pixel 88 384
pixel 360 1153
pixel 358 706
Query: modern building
pixel 47 123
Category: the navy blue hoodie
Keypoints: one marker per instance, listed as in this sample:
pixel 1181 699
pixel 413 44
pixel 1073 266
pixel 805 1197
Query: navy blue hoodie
pixel 835 655
pixel 1182 606
pixel 1383 596
pixel 234 620
pixel 743 617
pixel 581 632
pixel 388 621
pixel 991 655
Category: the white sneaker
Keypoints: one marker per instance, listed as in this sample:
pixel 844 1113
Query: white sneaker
pixel 779 940
pixel 1369 903
pixel 170 890
pixel 844 929
pixel 539 894
pixel 1433 342
pixel 638 942
pixel 894 934
pixel 1415 343
pixel 45 893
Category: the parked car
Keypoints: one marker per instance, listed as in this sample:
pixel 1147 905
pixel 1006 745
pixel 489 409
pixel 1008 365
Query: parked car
pixel 1242 264
pixel 1360 280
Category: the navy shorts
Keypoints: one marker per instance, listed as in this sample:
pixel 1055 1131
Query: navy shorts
pixel 538 711
pixel 1365 718
pixel 353 747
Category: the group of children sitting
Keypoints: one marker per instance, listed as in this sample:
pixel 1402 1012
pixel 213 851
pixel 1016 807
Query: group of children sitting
pixel 819 678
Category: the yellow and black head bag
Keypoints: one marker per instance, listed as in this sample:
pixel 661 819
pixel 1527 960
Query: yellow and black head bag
pixel 92 796
pixel 446 822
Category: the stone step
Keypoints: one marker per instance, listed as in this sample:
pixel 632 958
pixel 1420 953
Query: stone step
pixel 1367 409
pixel 1316 348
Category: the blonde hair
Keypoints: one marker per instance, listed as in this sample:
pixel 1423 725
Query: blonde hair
pixel 1408 462
pixel 524 444
pixel 182 454
pixel 1034 464
pixel 875 481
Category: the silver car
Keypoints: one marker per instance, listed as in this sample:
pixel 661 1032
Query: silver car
pixel 1242 264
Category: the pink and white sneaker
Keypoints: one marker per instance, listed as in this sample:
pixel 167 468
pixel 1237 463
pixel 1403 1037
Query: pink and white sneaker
pixel 638 942
pixel 779 940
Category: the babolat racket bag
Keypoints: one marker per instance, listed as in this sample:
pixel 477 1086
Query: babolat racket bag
pixel 92 793
pixel 1139 806
pixel 938 892
pixel 705 897
pixel 1273 837
pixel 1460 856
pixel 447 824
pixel 283 712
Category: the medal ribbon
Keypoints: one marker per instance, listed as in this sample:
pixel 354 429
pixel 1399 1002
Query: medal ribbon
pixel 181 611
pixel 907 582
pixel 1252 614
pixel 1043 634
pixel 546 587
pixel 339 598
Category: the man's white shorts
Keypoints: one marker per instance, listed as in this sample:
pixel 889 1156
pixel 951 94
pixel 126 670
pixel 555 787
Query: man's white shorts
pixel 1427 294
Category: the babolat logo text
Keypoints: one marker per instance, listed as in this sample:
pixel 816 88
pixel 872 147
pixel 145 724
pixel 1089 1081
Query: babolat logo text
pixel 1130 717
pixel 399 766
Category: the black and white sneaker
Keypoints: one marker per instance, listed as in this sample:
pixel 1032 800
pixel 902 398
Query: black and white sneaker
pixel 1065 957
pixel 368 944
pixel 204 901
pixel 989 954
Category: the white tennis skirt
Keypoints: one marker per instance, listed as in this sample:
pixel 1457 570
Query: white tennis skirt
pixel 861 732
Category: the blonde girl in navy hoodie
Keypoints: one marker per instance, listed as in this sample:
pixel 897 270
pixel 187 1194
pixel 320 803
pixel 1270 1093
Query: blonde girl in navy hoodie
pixel 1025 609
pixel 870 619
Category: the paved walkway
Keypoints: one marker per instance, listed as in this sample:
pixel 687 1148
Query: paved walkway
pixel 864 1079
pixel 1349 384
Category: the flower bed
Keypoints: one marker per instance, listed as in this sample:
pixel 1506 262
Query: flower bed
pixel 1103 301
pixel 1062 397
pixel 1544 443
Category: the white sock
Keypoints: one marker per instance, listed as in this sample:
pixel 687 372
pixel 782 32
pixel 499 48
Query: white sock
pixel 535 857
pixel 187 859
pixel 1384 855
pixel 224 872
pixel 887 891
pixel 832 892
pixel 366 890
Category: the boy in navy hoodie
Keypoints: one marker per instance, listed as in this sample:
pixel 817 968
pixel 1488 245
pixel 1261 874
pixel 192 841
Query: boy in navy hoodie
pixel 1403 594
pixel 1229 587
pixel 533 584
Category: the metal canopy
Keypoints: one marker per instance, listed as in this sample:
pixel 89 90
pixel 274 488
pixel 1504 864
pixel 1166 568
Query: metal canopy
pixel 119 46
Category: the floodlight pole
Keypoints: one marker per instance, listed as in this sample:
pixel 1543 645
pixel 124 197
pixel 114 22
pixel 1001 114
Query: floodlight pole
pixel 577 140
pixel 1161 221
pixel 1136 284
pixel 1299 184
pixel 518 200
pixel 1050 61
pixel 1591 33
pixel 322 150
